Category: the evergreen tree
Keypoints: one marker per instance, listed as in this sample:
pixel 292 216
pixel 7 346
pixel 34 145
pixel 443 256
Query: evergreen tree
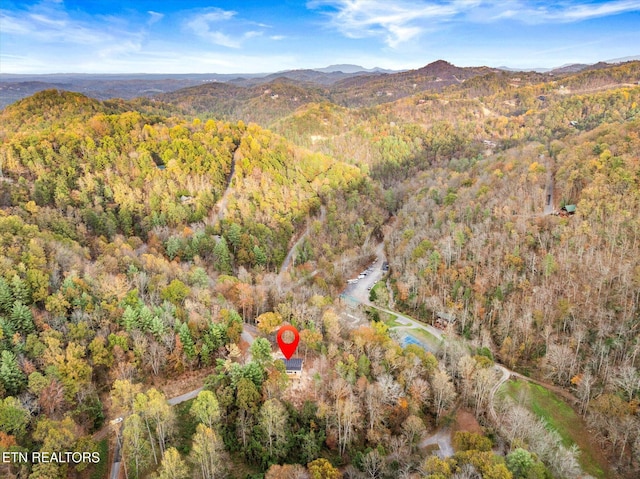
pixel 6 296
pixel 10 373
pixel 234 234
pixel 222 256
pixel 130 318
pixel 22 318
pixel 260 256
pixel 146 319
pixel 187 340
pixel 20 289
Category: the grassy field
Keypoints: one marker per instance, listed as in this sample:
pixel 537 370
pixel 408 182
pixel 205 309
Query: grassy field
pixel 390 320
pixel 561 417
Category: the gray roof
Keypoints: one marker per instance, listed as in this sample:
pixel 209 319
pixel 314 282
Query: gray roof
pixel 293 364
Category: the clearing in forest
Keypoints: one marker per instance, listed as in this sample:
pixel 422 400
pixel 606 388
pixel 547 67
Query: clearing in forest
pixel 562 418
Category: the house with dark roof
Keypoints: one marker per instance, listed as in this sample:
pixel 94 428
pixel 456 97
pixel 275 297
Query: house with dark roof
pixel 293 366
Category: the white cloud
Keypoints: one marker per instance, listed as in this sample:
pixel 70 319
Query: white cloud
pixel 12 25
pixel 546 12
pixel 395 22
pixel 585 11
pixel 45 36
pixel 399 22
pixel 48 22
pixel 214 25
pixel 154 17
pixel 252 34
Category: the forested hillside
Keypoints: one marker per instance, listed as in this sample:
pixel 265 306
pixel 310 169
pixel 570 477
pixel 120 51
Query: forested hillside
pixel 148 249
pixel 471 176
pixel 280 96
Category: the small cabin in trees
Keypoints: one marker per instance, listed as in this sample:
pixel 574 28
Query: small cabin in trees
pixel 293 366
pixel 567 210
pixel 444 319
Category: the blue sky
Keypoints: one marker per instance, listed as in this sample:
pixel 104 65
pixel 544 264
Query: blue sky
pixel 195 36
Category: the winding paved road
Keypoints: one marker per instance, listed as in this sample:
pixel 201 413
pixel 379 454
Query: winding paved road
pixel 358 293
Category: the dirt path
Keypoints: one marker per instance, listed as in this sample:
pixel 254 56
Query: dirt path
pixel 506 374
pixel 287 261
pixel 548 203
pixel 220 208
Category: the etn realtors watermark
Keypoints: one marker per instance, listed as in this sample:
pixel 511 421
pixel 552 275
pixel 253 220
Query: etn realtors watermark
pixel 60 457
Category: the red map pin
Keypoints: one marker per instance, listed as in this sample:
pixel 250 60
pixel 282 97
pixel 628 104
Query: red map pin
pixel 287 345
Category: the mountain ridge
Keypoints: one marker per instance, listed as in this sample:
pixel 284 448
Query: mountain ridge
pixel 388 84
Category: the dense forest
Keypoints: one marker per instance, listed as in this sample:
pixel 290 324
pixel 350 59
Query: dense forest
pixel 151 248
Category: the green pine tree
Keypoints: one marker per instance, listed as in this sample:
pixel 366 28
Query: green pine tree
pixel 11 375
pixel 222 256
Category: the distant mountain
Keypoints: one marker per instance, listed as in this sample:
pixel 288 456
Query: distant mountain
pixel 373 89
pixel 102 87
pixel 573 67
pixel 260 103
pixel 11 92
pixel 348 68
pixel 303 76
pixel 570 68
pixel 632 58
pixel 447 71
pixel 268 98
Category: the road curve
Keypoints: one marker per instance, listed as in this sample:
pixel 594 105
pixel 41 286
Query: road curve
pixel 506 374
pixel 443 439
pixel 289 258
pixel 184 397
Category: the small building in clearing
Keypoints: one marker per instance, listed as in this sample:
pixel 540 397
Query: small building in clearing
pixel 293 366
pixel 567 210
pixel 443 320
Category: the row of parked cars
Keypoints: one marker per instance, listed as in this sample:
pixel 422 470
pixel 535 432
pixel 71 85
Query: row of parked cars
pixel 385 267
